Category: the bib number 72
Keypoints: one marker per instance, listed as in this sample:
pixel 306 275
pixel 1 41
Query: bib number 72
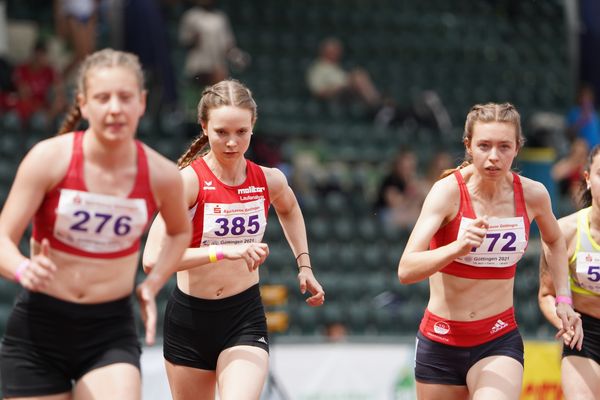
pixel 510 238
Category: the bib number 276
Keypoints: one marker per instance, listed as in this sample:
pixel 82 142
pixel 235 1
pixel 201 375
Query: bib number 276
pixel 98 221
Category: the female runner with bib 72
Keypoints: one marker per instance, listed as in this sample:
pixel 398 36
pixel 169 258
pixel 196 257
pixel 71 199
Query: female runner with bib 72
pixel 472 230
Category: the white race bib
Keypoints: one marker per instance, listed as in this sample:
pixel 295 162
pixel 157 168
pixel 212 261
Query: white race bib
pixel 99 223
pixel 234 223
pixel 504 243
pixel 588 271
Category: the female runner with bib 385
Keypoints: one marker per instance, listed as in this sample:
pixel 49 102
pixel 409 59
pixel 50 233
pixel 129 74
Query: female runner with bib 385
pixel 215 332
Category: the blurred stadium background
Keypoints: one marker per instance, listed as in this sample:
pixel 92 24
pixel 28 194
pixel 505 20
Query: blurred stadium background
pixel 468 51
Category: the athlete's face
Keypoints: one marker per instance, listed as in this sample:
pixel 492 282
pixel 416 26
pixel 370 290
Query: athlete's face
pixel 592 178
pixel 229 129
pixel 493 147
pixel 113 102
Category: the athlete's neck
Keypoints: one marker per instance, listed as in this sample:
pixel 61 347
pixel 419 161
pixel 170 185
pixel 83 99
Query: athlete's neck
pixel 594 219
pixel 232 173
pixel 108 155
pixel 485 189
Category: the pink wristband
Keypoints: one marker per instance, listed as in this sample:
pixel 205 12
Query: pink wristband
pixel 21 268
pixel 219 253
pixel 564 299
pixel 215 253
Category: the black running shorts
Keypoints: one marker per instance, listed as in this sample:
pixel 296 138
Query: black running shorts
pixel 197 330
pixel 591 340
pixel 50 343
pixel 448 365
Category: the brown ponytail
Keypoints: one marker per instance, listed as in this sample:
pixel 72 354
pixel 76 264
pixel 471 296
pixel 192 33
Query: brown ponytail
pixel 193 152
pixel 450 171
pixel 71 119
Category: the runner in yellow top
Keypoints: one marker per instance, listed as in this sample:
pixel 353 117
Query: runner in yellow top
pixel 580 365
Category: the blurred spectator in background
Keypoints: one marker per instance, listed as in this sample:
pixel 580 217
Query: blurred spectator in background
pixel 582 119
pixel 402 192
pixel 75 22
pixel 440 162
pixel 426 109
pixel 568 172
pixel 145 34
pixel 307 173
pixel 6 84
pixel 327 79
pixel 431 112
pixel 211 47
pixel 336 332
pixel 38 88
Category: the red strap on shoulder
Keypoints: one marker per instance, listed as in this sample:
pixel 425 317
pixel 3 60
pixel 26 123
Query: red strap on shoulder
pixel 466 208
pixel 520 205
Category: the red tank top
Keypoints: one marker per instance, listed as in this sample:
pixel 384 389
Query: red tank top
pixel 226 214
pixel 449 233
pixel 87 224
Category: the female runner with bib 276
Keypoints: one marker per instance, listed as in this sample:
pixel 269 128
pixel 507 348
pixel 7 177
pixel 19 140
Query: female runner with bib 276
pixel 472 230
pixel 91 195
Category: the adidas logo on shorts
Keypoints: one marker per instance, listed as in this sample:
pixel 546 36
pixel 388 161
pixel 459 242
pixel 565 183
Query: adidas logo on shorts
pixel 498 326
pixel 262 340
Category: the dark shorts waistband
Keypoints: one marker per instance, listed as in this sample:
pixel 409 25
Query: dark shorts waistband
pixel 43 302
pixel 198 303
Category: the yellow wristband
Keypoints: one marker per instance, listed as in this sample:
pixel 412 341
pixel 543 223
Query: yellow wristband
pixel 212 253
pixel 215 253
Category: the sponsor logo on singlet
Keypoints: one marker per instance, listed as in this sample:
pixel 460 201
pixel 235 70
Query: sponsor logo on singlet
pixel 208 185
pixel 251 193
pixel 251 189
